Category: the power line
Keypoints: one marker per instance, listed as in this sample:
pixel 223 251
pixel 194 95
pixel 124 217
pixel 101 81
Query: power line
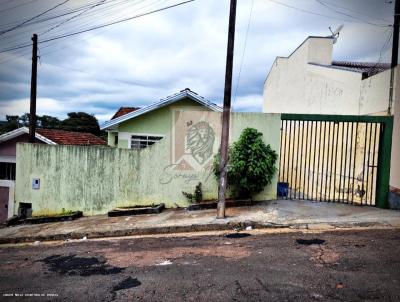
pixel 357 12
pixel 315 13
pixel 244 51
pixel 16 6
pixel 41 14
pixel 348 15
pixel 73 17
pixel 99 26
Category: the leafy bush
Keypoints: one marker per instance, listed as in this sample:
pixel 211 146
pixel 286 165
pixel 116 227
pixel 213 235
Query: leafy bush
pixel 197 196
pixel 251 164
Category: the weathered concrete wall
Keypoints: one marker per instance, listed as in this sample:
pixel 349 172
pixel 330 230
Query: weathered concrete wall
pixel 297 84
pixel 97 179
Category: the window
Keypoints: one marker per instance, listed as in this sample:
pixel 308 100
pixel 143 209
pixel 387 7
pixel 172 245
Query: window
pixel 7 171
pixel 116 140
pixel 142 141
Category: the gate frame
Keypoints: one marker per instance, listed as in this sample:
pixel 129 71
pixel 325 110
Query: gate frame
pixel 384 150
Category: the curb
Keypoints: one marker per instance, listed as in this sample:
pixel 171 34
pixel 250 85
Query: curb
pixel 230 226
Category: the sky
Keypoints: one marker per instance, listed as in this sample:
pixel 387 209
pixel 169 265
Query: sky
pixel 141 61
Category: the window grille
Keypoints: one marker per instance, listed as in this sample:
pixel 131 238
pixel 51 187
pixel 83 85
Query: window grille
pixel 143 141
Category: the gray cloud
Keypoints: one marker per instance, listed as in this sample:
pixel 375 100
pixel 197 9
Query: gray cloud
pixel 144 60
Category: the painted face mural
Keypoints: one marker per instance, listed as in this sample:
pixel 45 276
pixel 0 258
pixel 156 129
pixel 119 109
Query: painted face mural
pixel 200 141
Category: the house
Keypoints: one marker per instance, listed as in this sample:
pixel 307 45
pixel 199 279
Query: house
pixel 309 81
pixel 158 152
pixel 135 128
pixel 8 142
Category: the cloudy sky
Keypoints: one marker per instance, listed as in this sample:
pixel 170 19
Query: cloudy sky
pixel 141 61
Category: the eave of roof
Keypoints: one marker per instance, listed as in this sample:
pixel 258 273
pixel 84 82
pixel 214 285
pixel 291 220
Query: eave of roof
pixel 24 130
pixel 164 102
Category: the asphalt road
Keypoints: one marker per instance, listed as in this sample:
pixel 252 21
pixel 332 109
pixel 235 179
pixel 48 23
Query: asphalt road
pixel 334 266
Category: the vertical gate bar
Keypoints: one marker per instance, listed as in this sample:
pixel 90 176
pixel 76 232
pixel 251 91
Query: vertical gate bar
pixel 315 152
pixel 293 139
pixel 289 153
pixel 301 158
pixel 323 162
pixel 297 158
pixel 341 161
pixel 362 193
pixel 335 161
pixel 332 145
pixel 319 159
pixel 280 154
pixel 327 160
pixel 378 142
pixel 368 165
pixel 310 197
pixel 286 169
pixel 373 165
pixel 345 164
pixel 350 153
pixel 293 157
pixel 354 160
pixel 309 163
pixel 305 161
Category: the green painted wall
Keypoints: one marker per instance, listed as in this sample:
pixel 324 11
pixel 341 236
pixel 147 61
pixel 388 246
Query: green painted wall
pixel 97 179
pixel 154 122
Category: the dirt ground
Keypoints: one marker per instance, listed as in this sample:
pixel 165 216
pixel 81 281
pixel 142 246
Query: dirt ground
pixel 331 266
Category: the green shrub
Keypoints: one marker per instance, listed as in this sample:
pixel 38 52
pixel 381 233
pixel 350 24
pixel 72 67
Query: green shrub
pixel 197 196
pixel 251 164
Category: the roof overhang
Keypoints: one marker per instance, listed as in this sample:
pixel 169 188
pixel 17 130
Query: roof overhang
pixel 24 130
pixel 164 102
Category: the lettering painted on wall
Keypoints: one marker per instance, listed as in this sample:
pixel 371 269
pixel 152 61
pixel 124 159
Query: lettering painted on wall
pixel 193 144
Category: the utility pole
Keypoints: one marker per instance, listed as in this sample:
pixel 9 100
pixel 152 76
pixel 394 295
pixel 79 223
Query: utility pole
pixel 395 51
pixel 32 117
pixel 226 112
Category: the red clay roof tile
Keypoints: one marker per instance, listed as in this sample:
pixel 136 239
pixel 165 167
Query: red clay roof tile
pixel 124 110
pixel 62 137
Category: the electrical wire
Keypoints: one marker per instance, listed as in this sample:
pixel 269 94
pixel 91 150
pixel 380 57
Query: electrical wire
pixel 244 51
pixel 99 26
pixel 357 12
pixel 16 6
pixel 73 17
pixel 349 15
pixel 315 13
pixel 25 22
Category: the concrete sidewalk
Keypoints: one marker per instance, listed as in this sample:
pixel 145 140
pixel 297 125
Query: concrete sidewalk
pixel 268 214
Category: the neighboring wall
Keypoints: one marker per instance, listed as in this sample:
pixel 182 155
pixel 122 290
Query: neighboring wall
pixel 304 83
pixel 395 162
pixel 97 179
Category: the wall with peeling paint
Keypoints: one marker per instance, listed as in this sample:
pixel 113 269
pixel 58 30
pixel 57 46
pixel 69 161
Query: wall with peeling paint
pixel 98 179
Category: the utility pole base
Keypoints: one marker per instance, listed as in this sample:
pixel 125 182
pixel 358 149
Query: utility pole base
pixel 221 210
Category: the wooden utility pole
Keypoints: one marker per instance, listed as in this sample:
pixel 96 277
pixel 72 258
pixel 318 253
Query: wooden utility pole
pixel 226 112
pixel 395 51
pixel 32 117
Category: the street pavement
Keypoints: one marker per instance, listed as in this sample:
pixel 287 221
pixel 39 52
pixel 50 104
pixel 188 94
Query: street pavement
pixel 301 214
pixel 253 265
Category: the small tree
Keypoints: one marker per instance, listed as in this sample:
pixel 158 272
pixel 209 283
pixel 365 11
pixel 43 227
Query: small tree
pixel 251 164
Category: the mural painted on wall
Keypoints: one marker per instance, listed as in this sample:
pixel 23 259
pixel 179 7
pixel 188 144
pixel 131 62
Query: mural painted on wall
pixel 194 142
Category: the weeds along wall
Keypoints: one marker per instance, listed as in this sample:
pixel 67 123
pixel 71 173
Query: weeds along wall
pixel 96 179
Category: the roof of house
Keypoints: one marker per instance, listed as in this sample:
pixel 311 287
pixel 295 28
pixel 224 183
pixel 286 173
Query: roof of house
pixel 56 137
pixel 124 110
pixel 368 69
pixel 61 137
pixel 365 68
pixel 186 93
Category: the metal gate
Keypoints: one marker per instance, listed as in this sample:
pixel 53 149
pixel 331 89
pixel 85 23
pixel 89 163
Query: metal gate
pixel 336 158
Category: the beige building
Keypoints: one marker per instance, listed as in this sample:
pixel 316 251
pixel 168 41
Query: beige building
pixel 309 81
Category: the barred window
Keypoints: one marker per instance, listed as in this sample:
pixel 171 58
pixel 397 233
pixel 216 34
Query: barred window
pixel 142 141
